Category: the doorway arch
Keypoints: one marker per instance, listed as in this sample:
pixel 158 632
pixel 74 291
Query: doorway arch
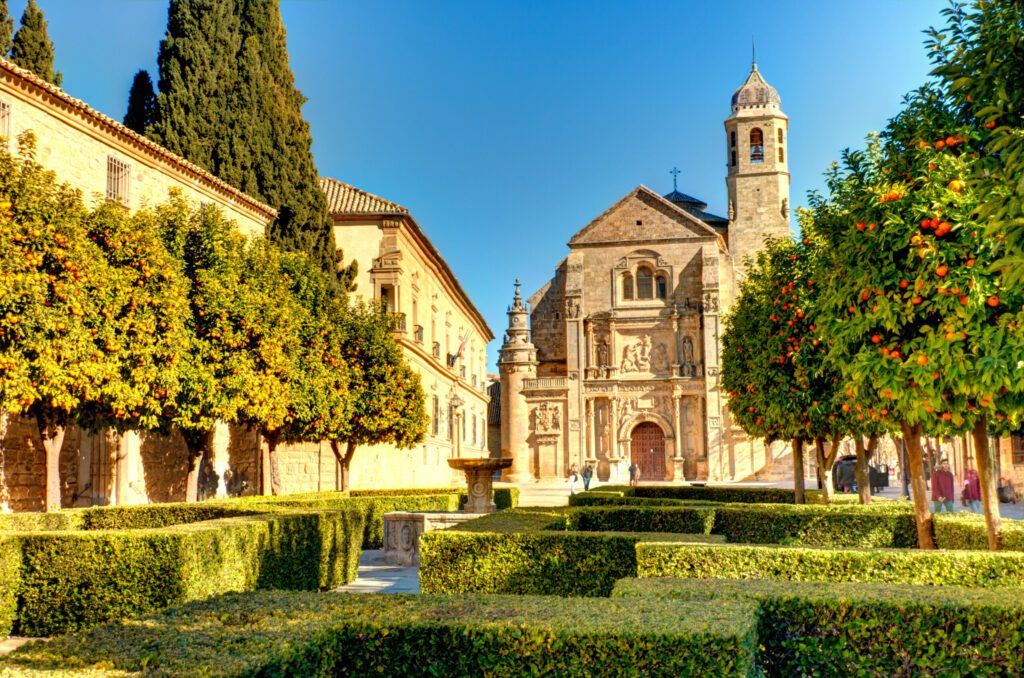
pixel 647 450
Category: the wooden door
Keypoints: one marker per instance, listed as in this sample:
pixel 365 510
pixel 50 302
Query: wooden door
pixel 647 449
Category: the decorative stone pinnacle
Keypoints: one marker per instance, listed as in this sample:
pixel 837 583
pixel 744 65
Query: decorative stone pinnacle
pixel 517 301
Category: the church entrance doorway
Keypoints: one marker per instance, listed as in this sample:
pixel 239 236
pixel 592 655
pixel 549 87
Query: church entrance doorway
pixel 647 450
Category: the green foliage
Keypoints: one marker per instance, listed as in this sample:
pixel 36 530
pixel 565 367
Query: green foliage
pixel 895 566
pixel 834 628
pixel 753 495
pixel 228 102
pixel 6 30
pixel 967 531
pixel 279 633
pixel 685 520
pixel 774 365
pixel 10 582
pixel 32 48
pixel 504 497
pixel 75 579
pixel 889 526
pixel 141 103
pixel 977 58
pixel 548 564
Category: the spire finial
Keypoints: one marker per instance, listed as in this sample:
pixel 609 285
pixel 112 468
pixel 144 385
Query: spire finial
pixel 517 301
pixel 753 54
pixel 675 175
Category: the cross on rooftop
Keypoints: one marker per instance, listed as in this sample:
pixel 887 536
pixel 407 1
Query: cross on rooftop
pixel 675 175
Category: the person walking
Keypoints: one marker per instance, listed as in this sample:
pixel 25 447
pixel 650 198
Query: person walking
pixel 634 474
pixel 588 473
pixel 942 488
pixel 574 474
pixel 971 492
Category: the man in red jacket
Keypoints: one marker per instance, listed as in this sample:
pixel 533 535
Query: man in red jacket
pixel 942 488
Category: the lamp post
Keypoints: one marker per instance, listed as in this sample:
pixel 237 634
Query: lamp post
pixel 456 403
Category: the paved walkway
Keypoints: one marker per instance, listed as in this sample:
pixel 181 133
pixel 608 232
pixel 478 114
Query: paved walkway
pixel 376 576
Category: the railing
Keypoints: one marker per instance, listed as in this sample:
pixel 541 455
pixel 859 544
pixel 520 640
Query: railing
pixel 690 370
pixel 418 334
pixel 435 350
pixel 545 382
pixel 397 323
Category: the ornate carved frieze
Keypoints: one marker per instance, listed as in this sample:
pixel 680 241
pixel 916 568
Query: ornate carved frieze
pixel 711 301
pixel 644 356
pixel 715 422
pixel 712 370
pixel 547 418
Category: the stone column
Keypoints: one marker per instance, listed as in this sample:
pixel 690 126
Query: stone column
pixel 591 452
pixel 613 350
pixel 678 459
pixel 221 459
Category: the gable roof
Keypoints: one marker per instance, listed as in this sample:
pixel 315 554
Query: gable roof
pixel 645 194
pixel 344 198
pixel 32 82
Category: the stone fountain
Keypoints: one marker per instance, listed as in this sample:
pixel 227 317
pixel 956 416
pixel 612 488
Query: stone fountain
pixel 480 481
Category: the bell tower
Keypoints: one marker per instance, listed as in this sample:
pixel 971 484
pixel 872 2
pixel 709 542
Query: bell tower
pixel 757 156
pixel 517 362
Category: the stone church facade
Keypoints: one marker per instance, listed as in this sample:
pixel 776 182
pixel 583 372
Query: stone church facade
pixel 616 358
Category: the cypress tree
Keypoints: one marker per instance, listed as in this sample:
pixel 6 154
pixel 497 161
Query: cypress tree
pixel 32 48
pixel 228 102
pixel 141 102
pixel 6 29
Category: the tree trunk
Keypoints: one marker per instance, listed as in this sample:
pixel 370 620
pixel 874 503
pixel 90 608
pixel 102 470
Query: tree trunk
pixel 922 512
pixel 344 461
pixel 198 444
pixel 270 471
pixel 863 468
pixel 824 470
pixel 987 474
pixel 798 470
pixel 904 471
pixel 51 435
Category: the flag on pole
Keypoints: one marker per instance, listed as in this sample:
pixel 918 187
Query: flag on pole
pixel 462 347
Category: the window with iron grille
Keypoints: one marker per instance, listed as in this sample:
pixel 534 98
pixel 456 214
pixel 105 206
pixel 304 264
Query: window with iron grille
pixel 1017 447
pixel 118 176
pixel 435 419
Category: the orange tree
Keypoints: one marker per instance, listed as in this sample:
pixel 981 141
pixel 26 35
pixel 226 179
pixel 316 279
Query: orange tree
pixel 917 319
pixel 320 396
pixel 213 368
pixel 50 361
pixel 387 403
pixel 272 352
pixel 977 57
pixel 779 384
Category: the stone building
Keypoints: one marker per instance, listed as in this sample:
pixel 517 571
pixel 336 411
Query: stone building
pixel 616 358
pixel 443 335
pixel 105 160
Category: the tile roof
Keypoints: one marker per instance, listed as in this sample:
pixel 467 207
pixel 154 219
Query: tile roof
pixel 127 134
pixel 343 198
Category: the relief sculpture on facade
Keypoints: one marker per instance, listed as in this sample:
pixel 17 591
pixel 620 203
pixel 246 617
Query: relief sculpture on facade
pixel 547 418
pixel 645 356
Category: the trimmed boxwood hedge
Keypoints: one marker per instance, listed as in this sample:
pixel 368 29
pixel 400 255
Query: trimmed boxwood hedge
pixel 895 566
pixel 718 493
pixel 504 497
pixel 75 579
pixel 835 629
pixel 686 520
pixel 301 634
pixel 967 531
pixel 10 582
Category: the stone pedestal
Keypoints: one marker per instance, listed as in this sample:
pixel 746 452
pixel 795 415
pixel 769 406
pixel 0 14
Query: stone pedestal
pixel 614 470
pixel 678 469
pixel 479 480
pixel 402 530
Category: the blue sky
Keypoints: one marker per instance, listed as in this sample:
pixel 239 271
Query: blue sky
pixel 507 126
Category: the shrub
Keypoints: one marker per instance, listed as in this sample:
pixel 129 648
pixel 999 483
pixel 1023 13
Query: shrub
pixel 967 531
pixel 567 564
pixel 717 493
pixel 687 520
pixel 833 629
pixel 10 581
pixel 504 497
pixel 952 568
pixel 891 525
pixel 286 633
pixel 75 579
pixel 618 499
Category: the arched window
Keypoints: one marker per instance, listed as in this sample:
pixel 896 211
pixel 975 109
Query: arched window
pixel 661 286
pixel 782 155
pixel 644 283
pixel 732 139
pixel 780 135
pixel 627 286
pixel 732 157
pixel 756 145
